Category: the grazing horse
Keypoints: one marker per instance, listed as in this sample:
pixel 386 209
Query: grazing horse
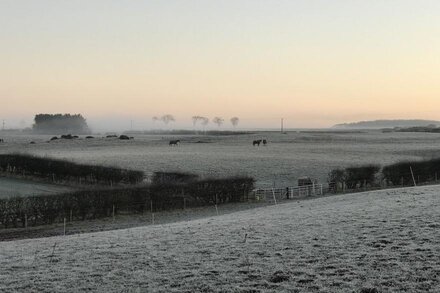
pixel 256 142
pixel 174 142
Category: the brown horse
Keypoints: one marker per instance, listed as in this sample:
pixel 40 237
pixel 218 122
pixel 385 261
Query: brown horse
pixel 256 142
pixel 174 142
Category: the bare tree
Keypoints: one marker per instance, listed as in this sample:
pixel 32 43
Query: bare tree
pixel 205 121
pixel 196 119
pixel 167 118
pixel 218 120
pixel 235 121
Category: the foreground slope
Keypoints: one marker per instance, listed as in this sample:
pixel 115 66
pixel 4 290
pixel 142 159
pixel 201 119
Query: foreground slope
pixel 388 240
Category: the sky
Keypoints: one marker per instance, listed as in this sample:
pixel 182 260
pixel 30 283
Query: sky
pixel 313 62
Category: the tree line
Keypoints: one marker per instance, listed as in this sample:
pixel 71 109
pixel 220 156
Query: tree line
pixel 197 120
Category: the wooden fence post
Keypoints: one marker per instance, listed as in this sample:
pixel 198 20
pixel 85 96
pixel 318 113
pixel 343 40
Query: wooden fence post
pixel 412 174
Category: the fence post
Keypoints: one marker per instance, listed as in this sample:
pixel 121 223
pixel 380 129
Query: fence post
pixel 412 174
pixel 274 197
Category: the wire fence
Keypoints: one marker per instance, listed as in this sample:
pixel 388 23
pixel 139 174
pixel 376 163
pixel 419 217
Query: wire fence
pixel 15 215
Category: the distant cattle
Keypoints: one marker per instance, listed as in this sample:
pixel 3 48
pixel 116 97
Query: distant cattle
pixel 54 138
pixel 111 136
pixel 264 142
pixel 89 137
pixel 174 142
pixel 32 142
pixel 1 140
pixel 256 142
pixel 124 137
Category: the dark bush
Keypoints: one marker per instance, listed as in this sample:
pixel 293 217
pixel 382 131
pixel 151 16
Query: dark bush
pixel 400 173
pixel 59 170
pixel 353 177
pixel 362 176
pixel 335 179
pixel 172 177
pixel 99 203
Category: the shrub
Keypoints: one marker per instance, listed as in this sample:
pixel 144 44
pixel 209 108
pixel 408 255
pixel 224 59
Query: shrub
pixel 56 170
pixel 100 202
pixel 172 177
pixel 361 176
pixel 400 173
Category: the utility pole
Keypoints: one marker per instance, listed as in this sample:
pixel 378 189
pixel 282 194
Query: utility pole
pixel 282 125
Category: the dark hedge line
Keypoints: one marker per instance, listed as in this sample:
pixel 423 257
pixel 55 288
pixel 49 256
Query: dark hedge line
pixel 172 177
pixel 99 203
pixel 60 170
pixel 353 177
pixel 400 173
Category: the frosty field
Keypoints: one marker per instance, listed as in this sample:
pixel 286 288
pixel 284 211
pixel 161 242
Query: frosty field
pixel 386 240
pixel 16 187
pixel 287 156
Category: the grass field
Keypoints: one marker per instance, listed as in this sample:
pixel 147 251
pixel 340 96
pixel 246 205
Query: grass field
pixel 385 240
pixel 287 156
pixel 20 187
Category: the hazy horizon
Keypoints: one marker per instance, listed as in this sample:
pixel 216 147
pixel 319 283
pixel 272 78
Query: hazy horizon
pixel 314 63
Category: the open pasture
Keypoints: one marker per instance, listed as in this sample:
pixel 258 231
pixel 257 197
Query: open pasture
pixel 382 241
pixel 285 158
pixel 17 187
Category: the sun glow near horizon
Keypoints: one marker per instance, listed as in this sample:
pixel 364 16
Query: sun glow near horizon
pixel 314 63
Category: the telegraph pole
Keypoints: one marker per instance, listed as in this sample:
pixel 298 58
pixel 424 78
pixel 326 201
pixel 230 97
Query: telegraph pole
pixel 282 125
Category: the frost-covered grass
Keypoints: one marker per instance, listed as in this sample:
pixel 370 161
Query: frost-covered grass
pixel 20 187
pixel 388 240
pixel 287 156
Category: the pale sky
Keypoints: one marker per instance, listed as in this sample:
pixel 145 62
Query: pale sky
pixel 315 63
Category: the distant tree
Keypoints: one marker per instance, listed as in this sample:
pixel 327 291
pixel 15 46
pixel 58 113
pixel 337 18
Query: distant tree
pixel 196 119
pixel 235 121
pixel 155 119
pixel 167 119
pixel 205 121
pixel 60 123
pixel 218 120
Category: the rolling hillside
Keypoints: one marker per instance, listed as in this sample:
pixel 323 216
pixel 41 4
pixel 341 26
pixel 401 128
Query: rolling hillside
pixel 385 241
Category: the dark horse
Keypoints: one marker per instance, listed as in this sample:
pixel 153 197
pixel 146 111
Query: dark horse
pixel 174 142
pixel 264 142
pixel 256 142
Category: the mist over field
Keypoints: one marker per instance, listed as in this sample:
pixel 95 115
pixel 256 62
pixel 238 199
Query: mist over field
pixel 220 146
